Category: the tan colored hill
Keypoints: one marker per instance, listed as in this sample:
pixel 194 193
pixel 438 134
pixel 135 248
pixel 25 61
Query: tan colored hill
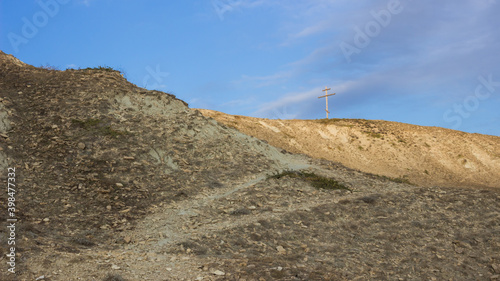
pixel 426 156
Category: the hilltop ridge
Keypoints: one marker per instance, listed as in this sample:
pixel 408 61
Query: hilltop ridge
pixel 426 156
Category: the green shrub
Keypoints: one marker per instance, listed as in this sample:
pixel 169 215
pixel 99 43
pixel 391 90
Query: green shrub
pixel 94 125
pixel 373 134
pixel 400 179
pixel 101 68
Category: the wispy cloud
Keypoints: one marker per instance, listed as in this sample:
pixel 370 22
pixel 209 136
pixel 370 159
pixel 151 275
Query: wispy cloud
pixel 86 2
pixel 294 102
pixel 288 100
pixel 239 102
pixel 262 81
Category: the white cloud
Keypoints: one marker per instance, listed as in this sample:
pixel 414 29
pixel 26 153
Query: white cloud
pixel 86 2
pixel 262 81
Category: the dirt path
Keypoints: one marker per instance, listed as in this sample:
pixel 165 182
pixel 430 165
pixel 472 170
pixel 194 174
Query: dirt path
pixel 283 229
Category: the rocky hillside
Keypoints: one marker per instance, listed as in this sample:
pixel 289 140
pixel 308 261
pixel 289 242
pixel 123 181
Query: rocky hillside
pixel 425 156
pixel 115 182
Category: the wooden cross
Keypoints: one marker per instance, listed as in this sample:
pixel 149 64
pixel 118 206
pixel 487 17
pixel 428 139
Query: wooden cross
pixel 326 97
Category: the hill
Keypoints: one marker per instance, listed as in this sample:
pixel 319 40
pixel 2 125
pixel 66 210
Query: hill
pixel 426 156
pixel 115 182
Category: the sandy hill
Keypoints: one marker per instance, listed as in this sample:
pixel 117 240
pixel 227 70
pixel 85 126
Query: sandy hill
pixel 426 156
pixel 115 182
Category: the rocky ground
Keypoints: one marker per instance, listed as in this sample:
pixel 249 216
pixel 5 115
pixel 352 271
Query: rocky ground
pixel 115 182
pixel 426 156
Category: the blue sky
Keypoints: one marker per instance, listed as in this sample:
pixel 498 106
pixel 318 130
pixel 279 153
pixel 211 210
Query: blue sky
pixel 433 63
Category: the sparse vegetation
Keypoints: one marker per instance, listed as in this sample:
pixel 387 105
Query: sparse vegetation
pixel 108 131
pixel 48 67
pixel 232 124
pixel 94 125
pixel 101 68
pixel 373 134
pixel 82 241
pixel 328 121
pixel 316 181
pixel 239 212
pixel 113 277
pixel 400 179
pixel 86 124
pixel 346 125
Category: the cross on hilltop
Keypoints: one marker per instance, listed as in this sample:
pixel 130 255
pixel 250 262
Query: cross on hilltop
pixel 326 97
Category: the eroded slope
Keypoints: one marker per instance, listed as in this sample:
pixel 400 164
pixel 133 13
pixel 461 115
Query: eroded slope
pixel 94 152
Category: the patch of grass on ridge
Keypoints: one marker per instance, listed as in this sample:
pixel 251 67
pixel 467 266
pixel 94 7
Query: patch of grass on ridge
pixel 48 67
pixel 316 181
pixel 328 121
pixel 101 68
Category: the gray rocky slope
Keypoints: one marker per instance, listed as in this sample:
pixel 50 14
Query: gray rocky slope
pixel 116 182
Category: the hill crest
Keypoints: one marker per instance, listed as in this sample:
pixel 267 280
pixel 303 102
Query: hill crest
pixel 423 155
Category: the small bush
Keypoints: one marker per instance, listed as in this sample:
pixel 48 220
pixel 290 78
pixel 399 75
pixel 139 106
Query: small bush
pixel 48 67
pixel 113 277
pixel 401 179
pixel 83 241
pixel 316 181
pixel 108 131
pixel 374 135
pixel 86 124
pixel 94 125
pixel 240 212
pixel 101 68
